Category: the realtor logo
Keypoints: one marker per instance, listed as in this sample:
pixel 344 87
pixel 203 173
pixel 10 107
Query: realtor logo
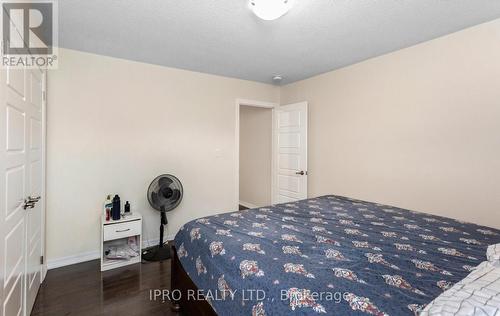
pixel 29 34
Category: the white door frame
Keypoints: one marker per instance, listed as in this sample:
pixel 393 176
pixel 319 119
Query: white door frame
pixel 259 104
pixel 43 201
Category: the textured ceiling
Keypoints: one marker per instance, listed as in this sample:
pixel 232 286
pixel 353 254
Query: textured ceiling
pixel 223 37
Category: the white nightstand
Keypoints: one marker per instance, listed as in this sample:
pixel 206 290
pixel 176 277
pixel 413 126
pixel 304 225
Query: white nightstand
pixel 119 235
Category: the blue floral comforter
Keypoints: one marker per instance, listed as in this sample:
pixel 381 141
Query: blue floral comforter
pixel 328 255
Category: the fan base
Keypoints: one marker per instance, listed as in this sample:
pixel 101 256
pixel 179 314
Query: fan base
pixel 156 253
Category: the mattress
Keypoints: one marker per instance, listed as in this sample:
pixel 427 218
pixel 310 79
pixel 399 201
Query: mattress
pixel 328 255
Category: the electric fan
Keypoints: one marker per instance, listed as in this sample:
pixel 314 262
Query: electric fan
pixel 164 194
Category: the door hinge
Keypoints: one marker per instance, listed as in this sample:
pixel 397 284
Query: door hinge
pixel 41 259
pixel 43 96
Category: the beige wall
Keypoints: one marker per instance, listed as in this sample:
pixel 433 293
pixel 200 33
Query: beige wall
pixel 255 155
pixel 113 125
pixel 418 128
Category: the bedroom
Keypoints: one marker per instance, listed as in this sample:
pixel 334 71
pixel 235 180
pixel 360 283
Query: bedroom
pixel 392 102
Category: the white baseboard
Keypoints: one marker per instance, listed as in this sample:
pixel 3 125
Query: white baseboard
pixel 92 255
pixel 154 242
pixel 249 205
pixel 69 260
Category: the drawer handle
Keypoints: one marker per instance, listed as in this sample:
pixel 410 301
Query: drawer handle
pixel 123 230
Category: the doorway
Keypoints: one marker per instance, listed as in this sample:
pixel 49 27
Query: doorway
pixel 254 134
pixel 285 168
pixel 255 156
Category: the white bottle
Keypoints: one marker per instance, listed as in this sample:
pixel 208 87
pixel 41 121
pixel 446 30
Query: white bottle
pixel 108 204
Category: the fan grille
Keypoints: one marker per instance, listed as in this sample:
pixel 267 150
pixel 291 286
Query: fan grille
pixel 165 193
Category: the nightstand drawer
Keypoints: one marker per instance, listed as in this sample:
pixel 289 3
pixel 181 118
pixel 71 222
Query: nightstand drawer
pixel 122 230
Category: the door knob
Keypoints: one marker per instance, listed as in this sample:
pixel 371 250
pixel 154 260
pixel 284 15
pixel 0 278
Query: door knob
pixel 30 202
pixel 33 199
pixel 301 172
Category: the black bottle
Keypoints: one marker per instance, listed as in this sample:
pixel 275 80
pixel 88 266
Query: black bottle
pixel 115 211
pixel 127 207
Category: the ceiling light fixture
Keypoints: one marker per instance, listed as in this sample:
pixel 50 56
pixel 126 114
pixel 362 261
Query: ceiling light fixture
pixel 270 9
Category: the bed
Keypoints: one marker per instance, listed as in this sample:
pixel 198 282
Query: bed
pixel 326 255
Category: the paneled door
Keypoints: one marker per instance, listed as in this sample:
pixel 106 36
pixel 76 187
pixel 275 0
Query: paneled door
pixel 290 161
pixel 22 187
pixel 36 145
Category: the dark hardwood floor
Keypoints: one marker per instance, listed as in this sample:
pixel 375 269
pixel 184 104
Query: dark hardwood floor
pixel 82 289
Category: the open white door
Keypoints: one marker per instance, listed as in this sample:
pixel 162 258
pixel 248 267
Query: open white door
pixel 22 185
pixel 290 154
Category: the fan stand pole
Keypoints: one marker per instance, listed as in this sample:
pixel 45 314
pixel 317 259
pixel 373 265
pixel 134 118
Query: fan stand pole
pixel 161 235
pixel 159 253
pixel 164 222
